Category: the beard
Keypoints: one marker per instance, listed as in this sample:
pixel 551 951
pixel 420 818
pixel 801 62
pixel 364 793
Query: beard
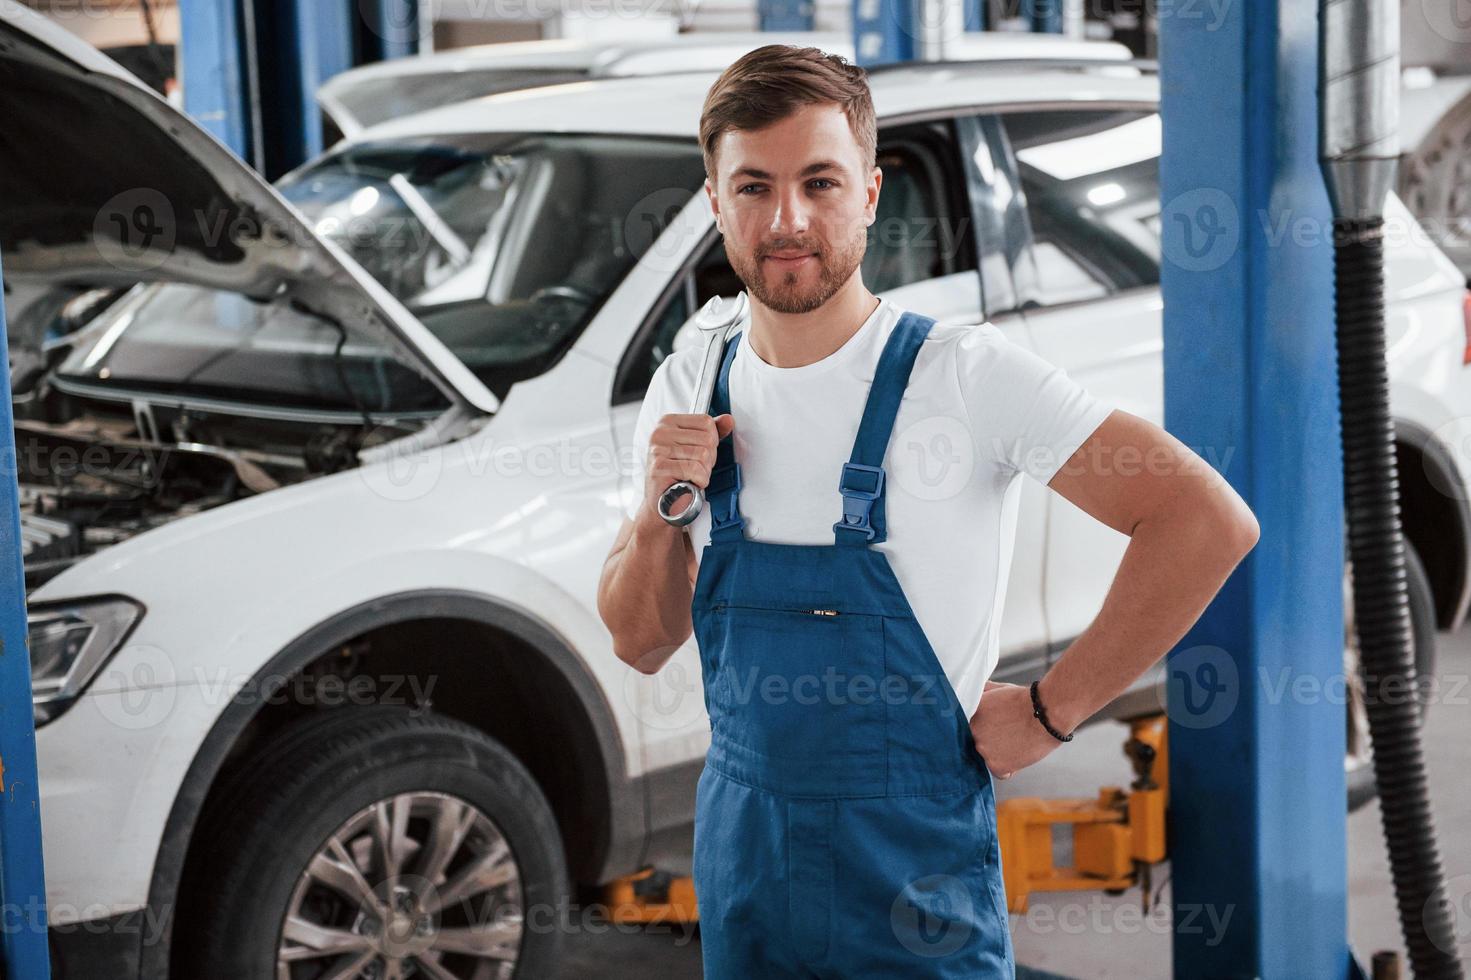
pixel 798 290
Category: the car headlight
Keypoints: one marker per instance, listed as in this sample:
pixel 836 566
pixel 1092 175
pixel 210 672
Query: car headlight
pixel 69 643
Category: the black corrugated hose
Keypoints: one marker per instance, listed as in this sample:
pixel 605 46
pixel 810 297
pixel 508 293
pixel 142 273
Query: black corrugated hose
pixel 1381 600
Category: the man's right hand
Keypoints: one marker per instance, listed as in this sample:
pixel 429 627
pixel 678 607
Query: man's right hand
pixel 681 447
pixel 649 577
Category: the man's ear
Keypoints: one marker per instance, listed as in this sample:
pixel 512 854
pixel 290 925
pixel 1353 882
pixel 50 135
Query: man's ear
pixel 876 180
pixel 714 203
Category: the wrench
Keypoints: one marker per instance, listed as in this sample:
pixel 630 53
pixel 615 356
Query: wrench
pixel 714 320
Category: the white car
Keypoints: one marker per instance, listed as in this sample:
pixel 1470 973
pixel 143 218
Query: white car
pixel 312 551
pixel 370 94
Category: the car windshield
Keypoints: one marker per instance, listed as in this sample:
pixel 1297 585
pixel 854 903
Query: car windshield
pixel 503 245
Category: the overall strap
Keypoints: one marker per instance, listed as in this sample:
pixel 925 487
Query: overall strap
pixel 722 495
pixel 862 481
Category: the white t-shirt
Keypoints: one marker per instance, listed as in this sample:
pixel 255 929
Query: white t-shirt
pixel 979 411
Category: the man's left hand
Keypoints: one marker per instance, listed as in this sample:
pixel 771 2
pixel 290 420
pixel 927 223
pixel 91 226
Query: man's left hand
pixel 1005 733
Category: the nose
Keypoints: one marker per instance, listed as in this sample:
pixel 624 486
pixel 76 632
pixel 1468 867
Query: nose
pixel 790 219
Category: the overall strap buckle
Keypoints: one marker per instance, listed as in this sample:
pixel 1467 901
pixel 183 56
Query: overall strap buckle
pixel 722 494
pixel 860 486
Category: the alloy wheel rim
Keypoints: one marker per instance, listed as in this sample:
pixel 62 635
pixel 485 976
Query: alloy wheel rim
pixel 420 884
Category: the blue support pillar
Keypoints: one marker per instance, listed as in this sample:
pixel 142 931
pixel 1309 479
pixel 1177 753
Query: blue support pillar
pixel 219 91
pixel 252 67
pixel 393 29
pixel 1045 16
pixel 976 15
pixel 316 43
pixel 22 871
pixel 886 31
pixel 883 32
pixel 785 15
pixel 1257 794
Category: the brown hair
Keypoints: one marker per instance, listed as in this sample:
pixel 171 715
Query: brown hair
pixel 768 84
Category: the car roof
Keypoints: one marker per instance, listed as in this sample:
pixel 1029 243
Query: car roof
pixel 670 104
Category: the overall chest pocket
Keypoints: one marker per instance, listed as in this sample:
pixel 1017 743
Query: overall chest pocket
pixel 799 685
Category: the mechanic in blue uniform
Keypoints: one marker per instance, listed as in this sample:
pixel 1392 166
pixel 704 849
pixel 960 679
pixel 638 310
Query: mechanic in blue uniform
pixel 845 818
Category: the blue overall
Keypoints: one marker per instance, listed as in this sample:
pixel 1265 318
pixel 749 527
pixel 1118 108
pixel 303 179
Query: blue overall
pixel 845 825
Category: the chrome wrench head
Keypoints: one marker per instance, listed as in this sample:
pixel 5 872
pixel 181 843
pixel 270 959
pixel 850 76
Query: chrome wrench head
pixel 714 320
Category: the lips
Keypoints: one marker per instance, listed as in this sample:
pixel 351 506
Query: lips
pixel 789 260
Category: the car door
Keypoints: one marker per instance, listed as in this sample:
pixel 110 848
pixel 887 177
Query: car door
pixel 1090 186
pixel 999 226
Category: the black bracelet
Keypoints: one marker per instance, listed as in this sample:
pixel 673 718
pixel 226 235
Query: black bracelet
pixel 1040 714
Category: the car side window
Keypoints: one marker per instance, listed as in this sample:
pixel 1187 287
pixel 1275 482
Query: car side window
pixel 921 231
pixel 1090 178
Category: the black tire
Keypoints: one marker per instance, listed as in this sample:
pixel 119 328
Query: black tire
pixel 320 772
pixel 1361 784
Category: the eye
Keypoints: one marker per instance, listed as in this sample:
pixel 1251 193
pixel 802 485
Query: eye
pixel 742 190
pixel 822 180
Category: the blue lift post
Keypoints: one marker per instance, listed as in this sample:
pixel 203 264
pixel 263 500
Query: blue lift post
pixel 22 871
pixel 1257 790
pixel 785 15
pixel 252 67
pixel 216 74
pixel 1045 16
pixel 887 31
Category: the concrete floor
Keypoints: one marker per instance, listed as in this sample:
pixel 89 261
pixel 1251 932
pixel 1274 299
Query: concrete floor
pixel 1092 935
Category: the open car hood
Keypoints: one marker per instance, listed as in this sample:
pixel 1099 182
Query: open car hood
pixel 363 97
pixel 102 182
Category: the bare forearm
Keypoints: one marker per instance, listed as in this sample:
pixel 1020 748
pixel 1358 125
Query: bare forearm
pixel 644 596
pixel 1174 565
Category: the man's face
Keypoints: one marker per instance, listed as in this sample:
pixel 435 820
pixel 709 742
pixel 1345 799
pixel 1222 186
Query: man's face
pixel 799 187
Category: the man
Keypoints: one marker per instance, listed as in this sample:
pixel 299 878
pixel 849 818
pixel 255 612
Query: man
pixel 845 816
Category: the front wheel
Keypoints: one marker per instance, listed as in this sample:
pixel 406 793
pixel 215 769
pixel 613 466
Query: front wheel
pixel 387 844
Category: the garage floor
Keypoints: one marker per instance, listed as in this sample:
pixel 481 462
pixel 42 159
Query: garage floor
pixel 1094 935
